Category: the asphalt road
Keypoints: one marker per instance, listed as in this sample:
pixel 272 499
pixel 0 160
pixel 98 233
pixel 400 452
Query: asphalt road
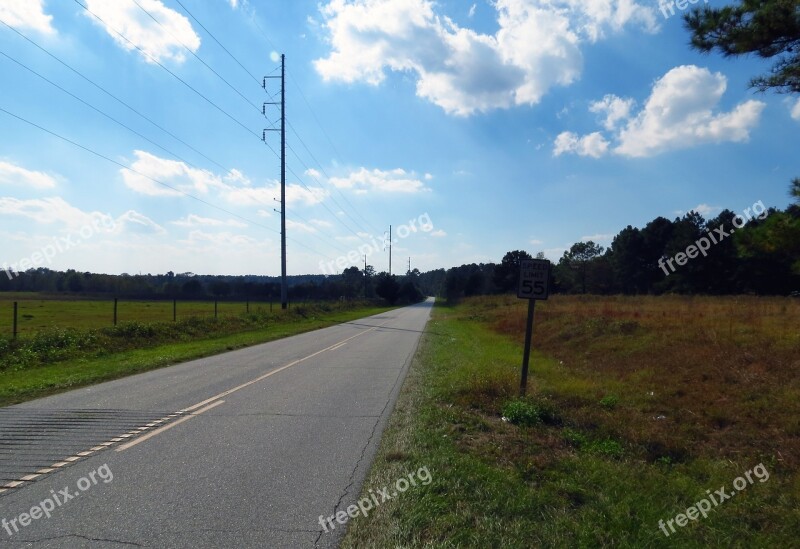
pixel 245 449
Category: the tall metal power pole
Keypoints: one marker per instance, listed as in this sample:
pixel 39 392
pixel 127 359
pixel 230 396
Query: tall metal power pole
pixel 284 287
pixel 390 250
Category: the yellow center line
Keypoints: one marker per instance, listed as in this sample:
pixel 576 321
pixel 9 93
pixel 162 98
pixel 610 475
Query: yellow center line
pixel 210 403
pixel 273 372
pixel 168 426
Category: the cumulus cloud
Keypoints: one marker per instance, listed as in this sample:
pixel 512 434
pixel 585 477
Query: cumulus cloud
pixel 26 14
pixel 615 109
pixel 796 111
pixel 703 209
pixel 137 223
pixel 594 144
pixel 193 220
pixel 160 42
pixel 12 174
pixel 537 47
pixel 53 210
pixel 364 180
pixel 680 113
pixel 295 194
pixel 181 177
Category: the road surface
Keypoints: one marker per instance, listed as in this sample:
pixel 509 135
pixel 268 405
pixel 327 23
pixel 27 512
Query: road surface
pixel 245 449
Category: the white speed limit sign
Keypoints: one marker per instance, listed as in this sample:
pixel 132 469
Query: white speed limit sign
pixel 534 278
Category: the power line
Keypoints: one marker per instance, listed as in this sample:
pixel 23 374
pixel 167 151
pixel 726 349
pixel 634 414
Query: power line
pixel 187 48
pixel 271 99
pixel 124 125
pixel 157 62
pixel 217 41
pixel 154 180
pixel 114 97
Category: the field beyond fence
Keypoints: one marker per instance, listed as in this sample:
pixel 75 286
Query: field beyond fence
pixel 38 312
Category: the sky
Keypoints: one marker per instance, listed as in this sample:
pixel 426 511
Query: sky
pixel 132 131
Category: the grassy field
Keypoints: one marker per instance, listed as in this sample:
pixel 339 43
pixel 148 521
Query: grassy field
pixel 63 358
pixel 40 311
pixel 638 408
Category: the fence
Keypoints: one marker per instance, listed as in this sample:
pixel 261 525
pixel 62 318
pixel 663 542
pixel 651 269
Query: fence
pixel 25 316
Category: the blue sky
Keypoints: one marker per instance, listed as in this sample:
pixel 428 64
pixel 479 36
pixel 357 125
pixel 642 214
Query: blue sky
pixel 473 128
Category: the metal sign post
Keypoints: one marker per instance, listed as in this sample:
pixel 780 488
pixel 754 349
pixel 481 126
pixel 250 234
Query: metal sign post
pixel 534 284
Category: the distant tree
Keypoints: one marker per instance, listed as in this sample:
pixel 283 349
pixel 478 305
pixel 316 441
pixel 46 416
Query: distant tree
pixel 794 190
pixel 506 275
pixel 387 287
pixel 74 281
pixel 192 288
pixel 475 284
pixel 409 293
pixel 767 28
pixel 220 289
pixel 578 258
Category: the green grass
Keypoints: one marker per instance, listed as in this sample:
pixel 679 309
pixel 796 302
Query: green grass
pixel 563 471
pixel 58 359
pixel 41 311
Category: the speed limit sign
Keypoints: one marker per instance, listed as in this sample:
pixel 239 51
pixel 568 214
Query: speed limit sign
pixel 534 278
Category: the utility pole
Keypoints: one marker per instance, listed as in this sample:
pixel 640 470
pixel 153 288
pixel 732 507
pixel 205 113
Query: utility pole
pixel 390 250
pixel 409 266
pixel 365 276
pixel 284 287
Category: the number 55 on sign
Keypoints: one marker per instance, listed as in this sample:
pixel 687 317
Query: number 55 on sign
pixel 534 278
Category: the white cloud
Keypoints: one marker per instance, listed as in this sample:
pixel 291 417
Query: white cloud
pixel 299 226
pixel 162 42
pixel 536 242
pixel 26 14
pixel 182 178
pixel 614 108
pixel 537 47
pixel 680 113
pixel 48 211
pixel 439 233
pixel 796 111
pixel 597 238
pixel 321 223
pixel 217 241
pixel 134 222
pixel 594 144
pixel 472 10
pixel 16 175
pixel 391 181
pixel 193 220
pixel 234 3
pixel 703 209
pixel 295 194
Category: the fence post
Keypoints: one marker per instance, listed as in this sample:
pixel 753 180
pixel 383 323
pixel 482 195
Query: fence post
pixel 248 305
pixel 15 319
pixel 215 309
pixel 174 310
pixel 115 311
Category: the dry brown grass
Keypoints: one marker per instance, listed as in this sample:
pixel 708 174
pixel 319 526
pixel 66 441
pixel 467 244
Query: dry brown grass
pixel 695 376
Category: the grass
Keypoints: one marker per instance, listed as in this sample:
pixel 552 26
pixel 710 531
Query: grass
pixel 636 407
pixel 39 311
pixel 59 359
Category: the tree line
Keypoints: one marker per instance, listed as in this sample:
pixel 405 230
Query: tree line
pixel 727 254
